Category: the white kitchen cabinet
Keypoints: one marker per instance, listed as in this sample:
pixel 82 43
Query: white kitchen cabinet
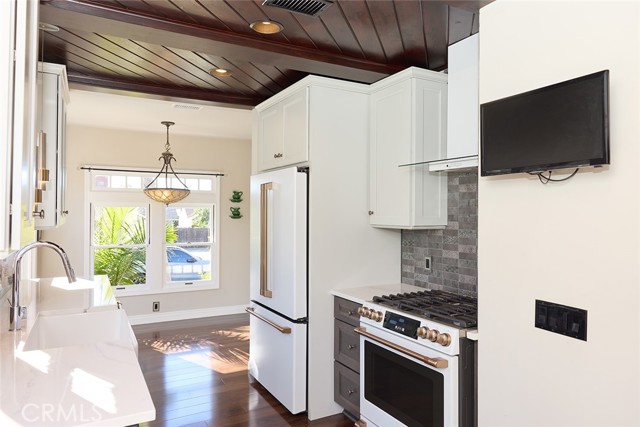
pixel 340 240
pixel 283 135
pixel 53 97
pixel 463 107
pixel 408 126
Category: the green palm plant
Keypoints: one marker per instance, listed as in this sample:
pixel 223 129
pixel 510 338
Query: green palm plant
pixel 120 227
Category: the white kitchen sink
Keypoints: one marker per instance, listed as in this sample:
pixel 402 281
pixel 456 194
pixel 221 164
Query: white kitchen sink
pixel 65 330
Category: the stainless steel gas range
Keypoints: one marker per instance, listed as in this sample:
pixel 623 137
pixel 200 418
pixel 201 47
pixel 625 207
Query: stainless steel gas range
pixel 418 366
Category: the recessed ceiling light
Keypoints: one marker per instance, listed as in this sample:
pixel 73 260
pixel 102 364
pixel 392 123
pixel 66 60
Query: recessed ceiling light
pixel 266 27
pixel 220 72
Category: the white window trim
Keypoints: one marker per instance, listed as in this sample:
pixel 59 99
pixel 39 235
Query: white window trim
pixel 156 218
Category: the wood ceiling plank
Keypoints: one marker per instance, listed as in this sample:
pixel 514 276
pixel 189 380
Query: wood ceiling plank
pixel 173 64
pixel 80 47
pixel 245 77
pixel 227 15
pixel 137 6
pixel 271 77
pixel 339 29
pixel 436 18
pixel 460 24
pixel 129 52
pixel 359 19
pixel 317 32
pixel 386 23
pixel 172 10
pixel 73 62
pixel 235 82
pixel 200 14
pixel 411 26
pixel 90 17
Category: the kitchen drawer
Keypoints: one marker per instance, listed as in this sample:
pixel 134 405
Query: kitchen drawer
pixel 347 389
pixel 346 310
pixel 346 346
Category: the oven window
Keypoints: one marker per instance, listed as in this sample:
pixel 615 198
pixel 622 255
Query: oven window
pixel 410 392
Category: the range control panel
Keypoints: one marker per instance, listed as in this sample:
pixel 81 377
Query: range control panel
pixel 402 325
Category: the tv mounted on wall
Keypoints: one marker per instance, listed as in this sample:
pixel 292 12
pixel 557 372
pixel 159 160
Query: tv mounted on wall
pixel 565 125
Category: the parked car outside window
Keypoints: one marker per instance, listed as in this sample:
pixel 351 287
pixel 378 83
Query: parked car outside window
pixel 185 265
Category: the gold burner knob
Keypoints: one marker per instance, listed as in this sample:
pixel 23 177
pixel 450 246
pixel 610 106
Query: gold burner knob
pixel 376 316
pixel 432 335
pixel 444 339
pixel 422 332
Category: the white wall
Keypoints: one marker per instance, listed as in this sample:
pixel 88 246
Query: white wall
pixel 573 243
pixel 95 146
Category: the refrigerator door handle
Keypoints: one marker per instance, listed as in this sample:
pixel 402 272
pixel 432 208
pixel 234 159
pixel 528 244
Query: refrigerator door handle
pixel 264 239
pixel 281 329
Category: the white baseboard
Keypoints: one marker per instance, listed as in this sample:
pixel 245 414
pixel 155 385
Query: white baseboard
pixel 143 319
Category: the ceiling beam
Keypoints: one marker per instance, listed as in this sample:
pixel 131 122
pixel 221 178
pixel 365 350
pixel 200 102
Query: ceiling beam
pixel 101 19
pixel 109 85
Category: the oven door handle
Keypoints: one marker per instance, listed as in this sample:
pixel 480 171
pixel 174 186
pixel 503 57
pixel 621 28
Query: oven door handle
pixel 431 361
pixel 281 329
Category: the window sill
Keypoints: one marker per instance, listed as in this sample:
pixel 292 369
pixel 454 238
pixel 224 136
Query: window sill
pixel 167 289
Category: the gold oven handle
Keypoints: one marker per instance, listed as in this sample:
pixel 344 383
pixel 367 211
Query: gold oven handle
pixel 281 329
pixel 264 236
pixel 435 362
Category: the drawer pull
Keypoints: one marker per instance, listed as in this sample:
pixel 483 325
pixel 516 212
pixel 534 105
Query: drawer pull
pixel 351 391
pixel 351 346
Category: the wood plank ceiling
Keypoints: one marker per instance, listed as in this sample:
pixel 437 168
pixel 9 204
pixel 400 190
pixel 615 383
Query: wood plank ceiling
pixel 166 48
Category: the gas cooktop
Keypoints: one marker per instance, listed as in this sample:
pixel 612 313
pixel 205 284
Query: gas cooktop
pixel 440 306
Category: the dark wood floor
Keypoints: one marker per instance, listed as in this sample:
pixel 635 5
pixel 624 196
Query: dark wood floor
pixel 196 371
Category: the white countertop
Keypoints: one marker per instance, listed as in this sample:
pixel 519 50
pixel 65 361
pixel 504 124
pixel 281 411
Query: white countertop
pixel 98 384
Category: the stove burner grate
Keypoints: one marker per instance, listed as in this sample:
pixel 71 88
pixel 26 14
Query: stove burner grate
pixel 440 306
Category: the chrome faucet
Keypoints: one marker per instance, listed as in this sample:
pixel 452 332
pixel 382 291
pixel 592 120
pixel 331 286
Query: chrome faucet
pixel 18 312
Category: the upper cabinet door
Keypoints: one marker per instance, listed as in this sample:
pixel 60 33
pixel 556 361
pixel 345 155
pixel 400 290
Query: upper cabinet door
pixel 283 136
pixel 53 93
pixel 408 127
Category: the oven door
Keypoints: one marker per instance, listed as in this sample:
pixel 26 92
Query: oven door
pixel 403 383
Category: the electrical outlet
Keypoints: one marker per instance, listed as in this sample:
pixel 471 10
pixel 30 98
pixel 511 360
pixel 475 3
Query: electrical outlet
pixel 156 306
pixel 427 263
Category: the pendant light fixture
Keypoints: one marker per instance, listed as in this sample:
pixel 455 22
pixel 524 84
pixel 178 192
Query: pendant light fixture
pixel 167 194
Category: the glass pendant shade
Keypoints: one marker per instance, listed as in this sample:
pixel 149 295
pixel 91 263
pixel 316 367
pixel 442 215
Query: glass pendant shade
pixel 167 195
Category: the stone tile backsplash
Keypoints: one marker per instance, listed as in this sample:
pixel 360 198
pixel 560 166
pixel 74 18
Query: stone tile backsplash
pixel 454 249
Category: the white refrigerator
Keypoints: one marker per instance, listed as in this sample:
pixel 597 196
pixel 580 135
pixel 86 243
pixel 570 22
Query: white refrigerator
pixel 279 285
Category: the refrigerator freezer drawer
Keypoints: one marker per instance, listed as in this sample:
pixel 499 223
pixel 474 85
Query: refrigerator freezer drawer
pixel 278 357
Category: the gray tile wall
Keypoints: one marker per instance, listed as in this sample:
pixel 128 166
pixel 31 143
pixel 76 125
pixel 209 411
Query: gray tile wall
pixel 453 250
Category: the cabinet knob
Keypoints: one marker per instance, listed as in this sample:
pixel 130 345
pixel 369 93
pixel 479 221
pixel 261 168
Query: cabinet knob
pixel 370 212
pixel 65 212
pixel 277 155
pixel 351 346
pixel 351 391
pixel 38 214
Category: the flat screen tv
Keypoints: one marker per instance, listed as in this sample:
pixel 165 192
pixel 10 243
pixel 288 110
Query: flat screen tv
pixel 565 125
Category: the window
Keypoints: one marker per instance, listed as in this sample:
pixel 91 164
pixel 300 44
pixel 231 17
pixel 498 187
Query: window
pixel 147 247
pixel 120 240
pixel 189 240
